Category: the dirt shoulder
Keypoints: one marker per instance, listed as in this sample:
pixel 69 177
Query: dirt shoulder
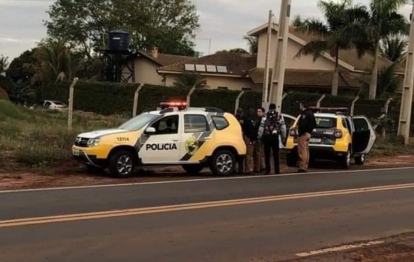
pixel 77 176
pixel 398 248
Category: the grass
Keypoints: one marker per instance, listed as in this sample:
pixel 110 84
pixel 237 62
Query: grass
pixel 391 145
pixel 39 138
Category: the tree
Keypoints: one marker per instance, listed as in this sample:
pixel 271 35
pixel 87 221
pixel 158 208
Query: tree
pixel 378 22
pixel 54 62
pixel 297 21
pixel 234 51
pixel 3 64
pixel 253 44
pixel 168 25
pixel 332 36
pixel 189 80
pixel 388 81
pixel 393 48
pixel 20 68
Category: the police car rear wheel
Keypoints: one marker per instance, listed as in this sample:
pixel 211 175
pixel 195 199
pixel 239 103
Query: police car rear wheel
pixel 223 163
pixel 193 169
pixel 346 159
pixel 122 164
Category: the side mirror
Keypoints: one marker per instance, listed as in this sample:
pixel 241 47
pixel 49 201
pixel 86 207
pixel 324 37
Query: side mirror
pixel 150 130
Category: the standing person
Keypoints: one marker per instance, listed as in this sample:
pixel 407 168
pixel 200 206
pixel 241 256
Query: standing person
pixel 306 124
pixel 249 137
pixel 258 146
pixel 274 128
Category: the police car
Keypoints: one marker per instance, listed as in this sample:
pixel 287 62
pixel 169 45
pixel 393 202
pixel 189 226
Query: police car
pixel 174 134
pixel 337 136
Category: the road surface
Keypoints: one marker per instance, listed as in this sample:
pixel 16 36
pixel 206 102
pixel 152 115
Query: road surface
pixel 267 218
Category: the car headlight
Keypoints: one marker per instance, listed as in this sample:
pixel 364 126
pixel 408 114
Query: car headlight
pixel 93 142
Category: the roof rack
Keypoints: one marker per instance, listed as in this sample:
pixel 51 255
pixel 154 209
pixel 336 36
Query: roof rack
pixel 332 110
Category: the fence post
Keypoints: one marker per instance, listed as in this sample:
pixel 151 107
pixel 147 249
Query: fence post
pixel 284 96
pixel 136 97
pixel 70 109
pixel 353 105
pixel 189 95
pixel 318 104
pixel 238 101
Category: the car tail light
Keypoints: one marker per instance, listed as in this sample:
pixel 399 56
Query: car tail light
pixel 338 133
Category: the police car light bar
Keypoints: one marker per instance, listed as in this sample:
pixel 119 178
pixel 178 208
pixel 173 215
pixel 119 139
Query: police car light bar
pixel 173 104
pixel 337 110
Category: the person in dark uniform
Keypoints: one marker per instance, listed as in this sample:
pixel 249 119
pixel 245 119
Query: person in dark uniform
pixel 250 138
pixel 274 129
pixel 306 124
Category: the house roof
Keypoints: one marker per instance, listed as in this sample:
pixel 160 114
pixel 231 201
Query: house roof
pixel 349 57
pixel 315 78
pixel 237 64
pixel 165 59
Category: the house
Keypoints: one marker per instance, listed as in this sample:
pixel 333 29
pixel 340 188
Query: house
pixel 240 71
pixel 146 65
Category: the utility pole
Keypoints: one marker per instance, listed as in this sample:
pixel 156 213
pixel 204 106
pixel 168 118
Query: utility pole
pixel 407 92
pixel 278 76
pixel 265 94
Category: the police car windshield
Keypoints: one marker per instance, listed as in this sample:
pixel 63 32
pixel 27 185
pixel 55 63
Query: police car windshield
pixel 138 122
pixel 325 122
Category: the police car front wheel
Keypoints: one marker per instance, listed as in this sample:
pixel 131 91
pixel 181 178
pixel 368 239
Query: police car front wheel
pixel 223 163
pixel 122 164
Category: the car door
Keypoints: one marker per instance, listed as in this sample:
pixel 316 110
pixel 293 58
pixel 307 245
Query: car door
pixel 196 133
pixel 163 146
pixel 289 121
pixel 364 136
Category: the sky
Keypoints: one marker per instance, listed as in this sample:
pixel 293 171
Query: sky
pixel 223 22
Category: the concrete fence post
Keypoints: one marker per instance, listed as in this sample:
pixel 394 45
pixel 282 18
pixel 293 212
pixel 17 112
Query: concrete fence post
pixel 318 104
pixel 353 105
pixel 284 96
pixel 136 97
pixel 189 95
pixel 70 109
pixel 384 115
pixel 238 101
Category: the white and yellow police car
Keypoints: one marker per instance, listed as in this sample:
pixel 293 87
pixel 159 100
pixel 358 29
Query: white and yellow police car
pixel 174 135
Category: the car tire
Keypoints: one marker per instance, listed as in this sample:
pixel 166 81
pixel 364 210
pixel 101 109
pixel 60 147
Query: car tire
pixel 360 160
pixel 193 169
pixel 223 163
pixel 346 159
pixel 291 159
pixel 122 164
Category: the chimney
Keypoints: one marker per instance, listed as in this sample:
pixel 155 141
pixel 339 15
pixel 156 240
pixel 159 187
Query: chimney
pixel 154 52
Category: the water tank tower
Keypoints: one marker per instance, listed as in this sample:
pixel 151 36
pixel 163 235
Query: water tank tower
pixel 118 59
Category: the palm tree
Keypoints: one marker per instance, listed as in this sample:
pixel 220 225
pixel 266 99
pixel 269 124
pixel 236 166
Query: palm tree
pixel 3 64
pixel 189 80
pixel 333 36
pixel 53 62
pixel 253 44
pixel 393 48
pixel 377 23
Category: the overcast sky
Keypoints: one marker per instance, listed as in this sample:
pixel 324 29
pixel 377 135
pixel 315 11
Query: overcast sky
pixel 225 22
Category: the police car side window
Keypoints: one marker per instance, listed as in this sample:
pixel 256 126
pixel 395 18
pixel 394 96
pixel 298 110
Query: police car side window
pixel 195 123
pixel 166 125
pixel 220 122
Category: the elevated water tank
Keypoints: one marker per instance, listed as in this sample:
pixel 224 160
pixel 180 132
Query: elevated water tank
pixel 118 40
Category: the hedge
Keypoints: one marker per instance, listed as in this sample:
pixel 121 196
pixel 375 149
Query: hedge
pixel 115 98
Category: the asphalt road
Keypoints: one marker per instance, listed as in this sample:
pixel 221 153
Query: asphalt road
pixel 277 218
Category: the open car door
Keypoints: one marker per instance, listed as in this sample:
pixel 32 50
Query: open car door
pixel 364 136
pixel 289 121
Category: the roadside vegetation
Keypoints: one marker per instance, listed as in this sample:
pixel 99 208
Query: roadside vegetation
pixel 37 139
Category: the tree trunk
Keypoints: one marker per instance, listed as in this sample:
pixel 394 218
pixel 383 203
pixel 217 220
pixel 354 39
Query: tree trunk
pixel 374 75
pixel 335 77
